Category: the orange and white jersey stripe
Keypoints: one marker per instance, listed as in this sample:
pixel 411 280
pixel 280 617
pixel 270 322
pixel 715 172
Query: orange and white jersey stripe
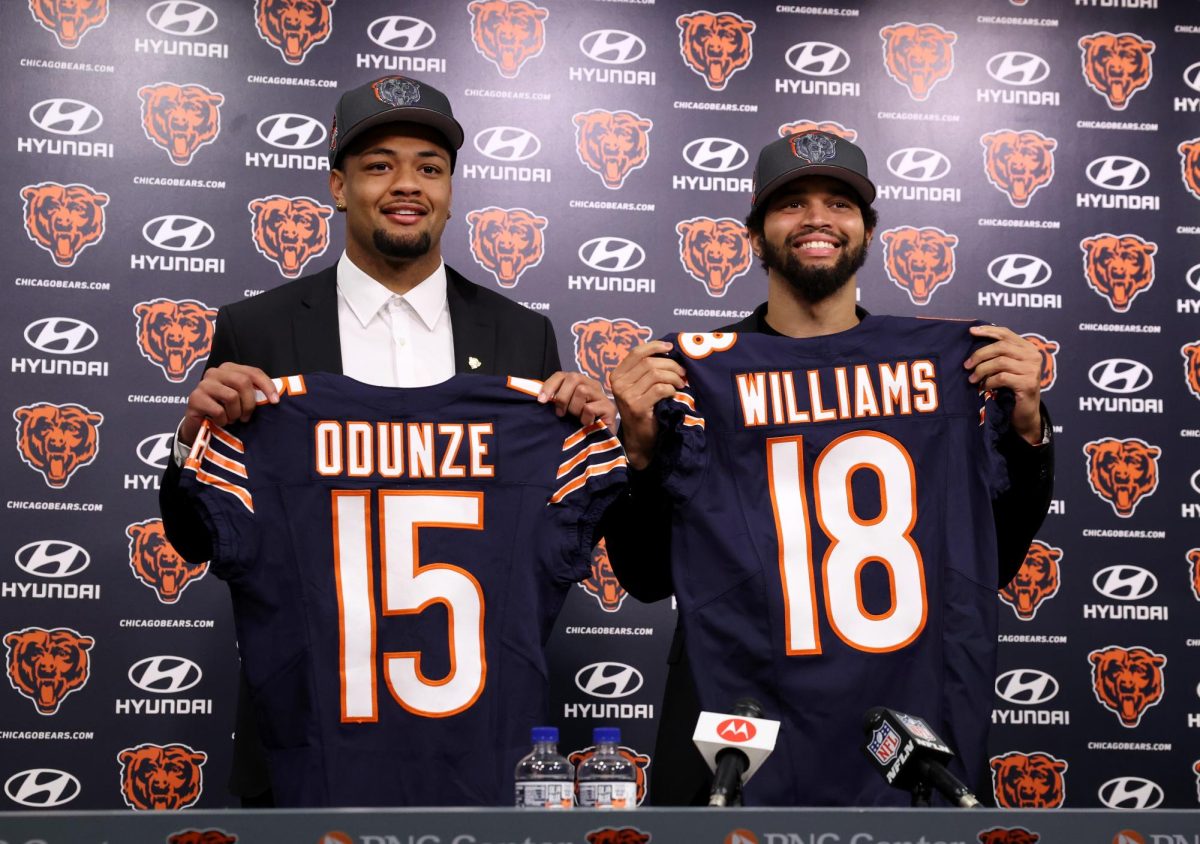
pixel 590 452
pixel 217 459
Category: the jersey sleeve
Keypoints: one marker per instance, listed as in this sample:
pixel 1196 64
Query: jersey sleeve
pixel 995 418
pixel 216 478
pixel 681 455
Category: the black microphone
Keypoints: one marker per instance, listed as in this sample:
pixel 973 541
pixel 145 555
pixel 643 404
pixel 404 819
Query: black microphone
pixel 732 762
pixel 909 755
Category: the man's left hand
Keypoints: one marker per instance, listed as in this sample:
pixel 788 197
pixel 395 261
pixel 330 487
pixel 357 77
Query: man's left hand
pixel 1011 361
pixel 579 395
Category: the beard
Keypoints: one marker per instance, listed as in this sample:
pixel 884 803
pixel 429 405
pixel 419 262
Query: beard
pixel 404 248
pixel 814 284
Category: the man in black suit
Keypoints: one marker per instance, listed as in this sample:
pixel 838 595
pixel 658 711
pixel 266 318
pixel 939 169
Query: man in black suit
pixel 390 313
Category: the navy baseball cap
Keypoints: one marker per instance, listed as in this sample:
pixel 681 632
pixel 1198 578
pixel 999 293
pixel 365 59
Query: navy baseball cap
pixel 810 154
pixel 392 99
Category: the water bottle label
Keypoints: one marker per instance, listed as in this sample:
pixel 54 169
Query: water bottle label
pixel 545 795
pixel 608 795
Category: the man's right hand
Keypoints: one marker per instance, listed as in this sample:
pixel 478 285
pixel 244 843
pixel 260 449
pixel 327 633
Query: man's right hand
pixel 225 394
pixel 638 383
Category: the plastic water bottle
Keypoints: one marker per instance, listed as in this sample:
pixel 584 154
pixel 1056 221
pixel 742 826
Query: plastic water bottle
pixel 607 780
pixel 545 779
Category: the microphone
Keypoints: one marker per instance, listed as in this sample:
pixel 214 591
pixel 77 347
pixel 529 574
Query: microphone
pixel 734 746
pixel 909 755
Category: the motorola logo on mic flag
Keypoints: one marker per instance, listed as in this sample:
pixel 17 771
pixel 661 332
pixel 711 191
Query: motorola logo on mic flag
pixel 165 675
pixel 1019 271
pixel 42 788
pixel 52 558
pixel 61 335
pixel 1018 68
pixel 155 450
pixel 1117 172
pixel 401 34
pixel 182 17
pixel 715 155
pixel 1120 375
pixel 612 46
pixel 918 164
pixel 178 233
pixel 608 680
pixel 1130 793
pixel 507 143
pixel 736 730
pixel 66 117
pixel 1026 686
pixel 291 131
pixel 1125 582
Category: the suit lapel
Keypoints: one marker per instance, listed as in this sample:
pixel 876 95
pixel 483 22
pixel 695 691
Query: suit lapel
pixel 473 327
pixel 315 336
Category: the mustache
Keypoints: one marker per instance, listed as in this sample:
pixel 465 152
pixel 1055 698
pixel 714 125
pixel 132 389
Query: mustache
pixel 807 230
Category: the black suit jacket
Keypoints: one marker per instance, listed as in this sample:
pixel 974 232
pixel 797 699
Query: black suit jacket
pixel 293 330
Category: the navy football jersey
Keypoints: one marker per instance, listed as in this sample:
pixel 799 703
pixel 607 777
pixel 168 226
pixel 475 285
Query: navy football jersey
pixel 833 546
pixel 396 559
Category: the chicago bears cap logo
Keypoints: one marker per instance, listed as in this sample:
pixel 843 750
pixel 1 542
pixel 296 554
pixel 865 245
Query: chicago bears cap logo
pixel 601 344
pixel 397 91
pixel 507 241
pixel 1189 155
pixel 1122 472
pixel 1008 835
pixel 69 20
pixel 1191 366
pixel 715 45
pixel 918 55
pixel 1118 267
pixel 640 763
pixel 156 563
pixel 714 252
pixel 602 584
pixel 293 27
pixel 618 835
pixel 1193 558
pixel 57 439
pixel 289 230
pixel 202 836
pixel 47 665
pixel 832 127
pixel 1018 163
pixel 156 777
pixel 612 144
pixel 508 33
pixel 1116 66
pixel 1029 780
pixel 64 219
pixel 1036 581
pixel 1127 681
pixel 180 118
pixel 174 335
pixel 1048 351
pixel 813 148
pixel 918 261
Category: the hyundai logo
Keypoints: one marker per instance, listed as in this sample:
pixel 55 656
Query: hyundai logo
pixel 401 34
pixel 1026 686
pixel 155 450
pixel 918 164
pixel 1125 583
pixel 182 17
pixel 612 46
pixel 61 335
pixel 507 143
pixel 1120 376
pixel 291 131
pixel 1196 481
pixel 817 58
pixel 1118 172
pixel 1130 793
pixel 608 679
pixel 1019 271
pixel 1017 68
pixel 52 558
pixel 1191 76
pixel 165 675
pixel 178 233
pixel 715 155
pixel 42 788
pixel 1193 278
pixel 66 117
pixel 612 254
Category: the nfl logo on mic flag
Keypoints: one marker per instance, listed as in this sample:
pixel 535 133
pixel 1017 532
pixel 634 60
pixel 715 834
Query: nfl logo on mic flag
pixel 884 743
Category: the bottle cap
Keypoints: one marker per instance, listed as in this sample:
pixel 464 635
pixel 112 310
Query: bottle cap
pixel 606 734
pixel 545 734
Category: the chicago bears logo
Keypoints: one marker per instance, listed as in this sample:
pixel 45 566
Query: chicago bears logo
pixel 47 665
pixel 1008 835
pixel 201 836
pixel 1127 681
pixel 1193 557
pixel 612 835
pixel 63 219
pixel 293 27
pixel 1189 155
pixel 508 33
pixel 1018 163
pixel 1191 366
pixel 1029 781
pixel 1048 350
pixel 180 118
pixel 289 230
pixel 57 439
pixel 69 20
pixel 918 261
pixel 715 252
pixel 174 335
pixel 640 763
pixel 155 777
pixel 601 344
pixel 1036 581
pixel 1116 66
pixel 918 55
pixel 602 584
pixel 507 241
pixel 716 46
pixel 801 127
pixel 1122 472
pixel 1118 267
pixel 612 144
pixel 157 564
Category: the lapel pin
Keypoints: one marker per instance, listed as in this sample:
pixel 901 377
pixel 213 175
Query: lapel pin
pixel 474 362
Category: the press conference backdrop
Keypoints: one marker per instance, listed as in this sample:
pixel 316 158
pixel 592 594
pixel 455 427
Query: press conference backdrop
pixel 1038 165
